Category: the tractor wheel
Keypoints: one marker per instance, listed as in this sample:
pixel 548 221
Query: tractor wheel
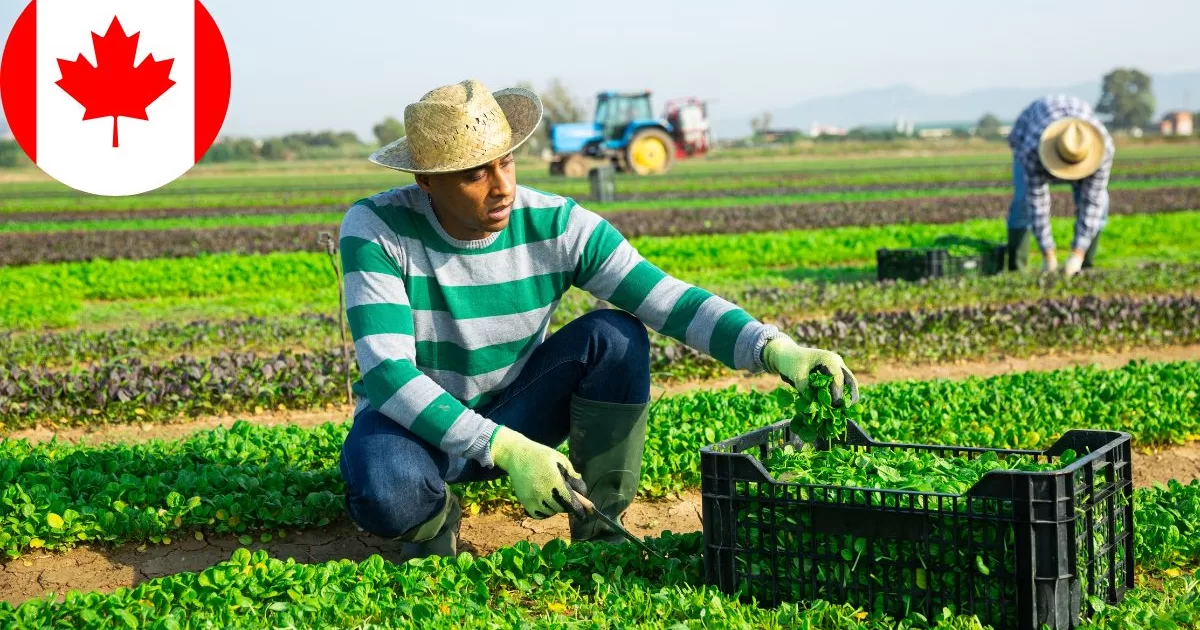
pixel 556 168
pixel 575 166
pixel 650 152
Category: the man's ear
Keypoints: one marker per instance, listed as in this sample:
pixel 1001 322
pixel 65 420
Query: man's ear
pixel 423 182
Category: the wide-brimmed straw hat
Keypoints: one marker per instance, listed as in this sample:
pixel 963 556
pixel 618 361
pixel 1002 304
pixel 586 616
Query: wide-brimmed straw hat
pixel 1071 148
pixel 461 126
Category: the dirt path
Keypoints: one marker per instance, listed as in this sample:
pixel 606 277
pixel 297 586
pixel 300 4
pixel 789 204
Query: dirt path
pixel 889 372
pixel 130 433
pixel 1171 462
pixel 761 382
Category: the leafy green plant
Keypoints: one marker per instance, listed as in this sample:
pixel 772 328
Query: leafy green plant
pixel 24 290
pixel 130 389
pixel 252 478
pixel 802 305
pixel 549 586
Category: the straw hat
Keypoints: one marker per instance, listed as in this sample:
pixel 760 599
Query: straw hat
pixel 1071 148
pixel 461 126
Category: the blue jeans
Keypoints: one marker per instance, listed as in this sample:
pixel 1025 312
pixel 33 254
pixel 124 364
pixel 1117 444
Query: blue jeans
pixel 395 480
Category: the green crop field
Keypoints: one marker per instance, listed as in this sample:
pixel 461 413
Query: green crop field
pixel 173 400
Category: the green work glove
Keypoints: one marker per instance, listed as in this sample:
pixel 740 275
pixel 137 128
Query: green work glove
pixel 542 477
pixel 783 357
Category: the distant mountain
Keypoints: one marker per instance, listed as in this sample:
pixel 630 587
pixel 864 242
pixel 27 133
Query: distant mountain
pixel 886 105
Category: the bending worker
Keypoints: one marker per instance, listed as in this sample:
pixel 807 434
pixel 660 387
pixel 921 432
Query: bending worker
pixel 1058 138
pixel 450 287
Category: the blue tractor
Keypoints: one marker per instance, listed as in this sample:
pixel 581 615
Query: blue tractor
pixel 626 134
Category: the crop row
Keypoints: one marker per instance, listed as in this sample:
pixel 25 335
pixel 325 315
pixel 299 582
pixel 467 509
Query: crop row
pixel 1127 197
pixel 928 210
pixel 1159 197
pixel 947 182
pixel 555 585
pixel 254 478
pixel 124 389
pixel 291 189
pixel 944 335
pixel 345 197
pixel 52 295
pixel 173 238
pixel 799 300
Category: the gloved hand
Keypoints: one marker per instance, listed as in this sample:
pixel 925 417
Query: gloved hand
pixel 1074 263
pixel 784 357
pixel 1049 261
pixel 539 474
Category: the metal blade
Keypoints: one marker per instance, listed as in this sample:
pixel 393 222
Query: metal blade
pixel 591 509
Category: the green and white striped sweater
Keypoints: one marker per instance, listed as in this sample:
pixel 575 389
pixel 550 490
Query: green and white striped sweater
pixel 441 326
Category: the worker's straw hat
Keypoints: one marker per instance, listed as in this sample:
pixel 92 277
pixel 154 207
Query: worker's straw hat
pixel 1071 148
pixel 461 126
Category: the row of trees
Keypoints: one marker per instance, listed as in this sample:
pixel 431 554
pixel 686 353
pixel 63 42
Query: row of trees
pixel 293 146
pixel 560 106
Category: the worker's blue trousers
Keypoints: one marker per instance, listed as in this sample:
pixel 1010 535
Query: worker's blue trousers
pixel 395 480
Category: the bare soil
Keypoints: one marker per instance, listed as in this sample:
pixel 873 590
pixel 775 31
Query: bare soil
pixel 143 432
pixel 1166 463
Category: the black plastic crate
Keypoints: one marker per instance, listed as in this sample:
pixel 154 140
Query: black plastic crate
pixel 1050 541
pixel 937 262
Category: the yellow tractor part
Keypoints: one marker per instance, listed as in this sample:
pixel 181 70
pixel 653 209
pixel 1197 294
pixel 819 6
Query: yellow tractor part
pixel 649 155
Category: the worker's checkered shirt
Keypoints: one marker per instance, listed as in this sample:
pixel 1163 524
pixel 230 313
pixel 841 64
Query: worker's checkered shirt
pixel 1024 137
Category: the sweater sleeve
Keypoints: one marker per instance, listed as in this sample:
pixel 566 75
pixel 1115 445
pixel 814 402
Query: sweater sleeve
pixel 1037 196
pixel 1092 211
pixel 381 323
pixel 610 268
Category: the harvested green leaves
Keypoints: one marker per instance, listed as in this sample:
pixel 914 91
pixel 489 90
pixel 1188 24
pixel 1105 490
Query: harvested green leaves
pixel 816 417
pixel 897 469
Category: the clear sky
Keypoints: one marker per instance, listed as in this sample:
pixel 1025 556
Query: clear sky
pixel 304 64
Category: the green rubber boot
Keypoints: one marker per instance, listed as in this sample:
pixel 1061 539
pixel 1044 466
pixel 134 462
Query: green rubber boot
pixel 605 446
pixel 1089 257
pixel 438 536
pixel 1018 249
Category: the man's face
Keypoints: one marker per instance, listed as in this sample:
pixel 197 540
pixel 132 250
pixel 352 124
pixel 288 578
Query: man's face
pixel 473 204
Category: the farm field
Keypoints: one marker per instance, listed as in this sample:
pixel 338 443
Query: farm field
pixel 173 392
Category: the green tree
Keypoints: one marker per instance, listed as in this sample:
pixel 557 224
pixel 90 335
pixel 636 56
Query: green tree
pixel 347 138
pixel 1126 97
pixel 560 105
pixel 11 154
pixel 988 126
pixel 389 130
pixel 275 149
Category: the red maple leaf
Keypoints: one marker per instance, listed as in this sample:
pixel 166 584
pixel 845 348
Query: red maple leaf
pixel 114 87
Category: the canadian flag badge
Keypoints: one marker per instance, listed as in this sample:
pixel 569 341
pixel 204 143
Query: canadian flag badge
pixel 115 97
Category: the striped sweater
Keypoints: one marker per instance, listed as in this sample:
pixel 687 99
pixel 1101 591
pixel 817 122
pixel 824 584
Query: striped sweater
pixel 441 326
